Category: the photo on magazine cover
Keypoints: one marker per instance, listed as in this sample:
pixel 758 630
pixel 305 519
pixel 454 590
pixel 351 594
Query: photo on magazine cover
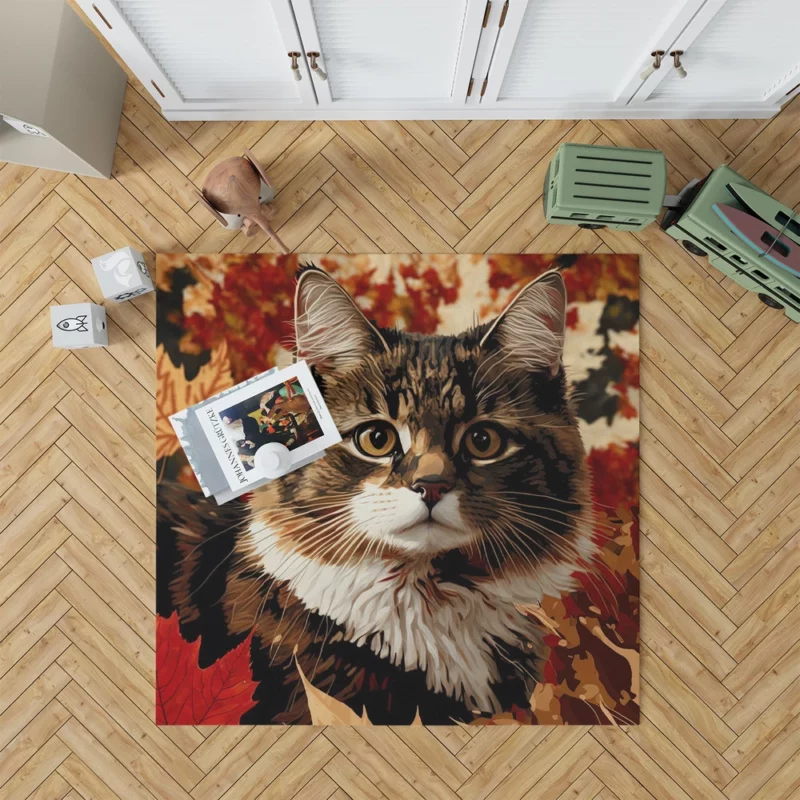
pixel 281 414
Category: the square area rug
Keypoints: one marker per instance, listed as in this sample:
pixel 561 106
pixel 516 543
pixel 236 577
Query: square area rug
pixel 468 553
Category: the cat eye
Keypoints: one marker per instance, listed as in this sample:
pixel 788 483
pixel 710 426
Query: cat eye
pixel 376 439
pixel 484 442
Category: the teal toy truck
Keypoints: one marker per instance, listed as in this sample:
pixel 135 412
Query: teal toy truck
pixel 701 230
pixel 625 189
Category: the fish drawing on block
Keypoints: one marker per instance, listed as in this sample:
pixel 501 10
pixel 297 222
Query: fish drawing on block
pixel 77 324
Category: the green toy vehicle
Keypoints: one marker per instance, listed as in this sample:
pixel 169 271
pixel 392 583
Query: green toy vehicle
pixel 699 227
pixel 605 187
pixel 747 235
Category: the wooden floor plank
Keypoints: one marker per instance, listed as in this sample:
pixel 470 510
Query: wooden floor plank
pixel 87 748
pixel 159 131
pixel 497 183
pixel 33 737
pixel 437 143
pixel 683 701
pixel 107 513
pixel 493 152
pixel 12 176
pixel 244 135
pixel 382 166
pixel 685 556
pixel 417 159
pixel 31 266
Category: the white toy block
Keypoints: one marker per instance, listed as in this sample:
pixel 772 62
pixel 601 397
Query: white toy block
pixel 24 127
pixel 78 325
pixel 122 274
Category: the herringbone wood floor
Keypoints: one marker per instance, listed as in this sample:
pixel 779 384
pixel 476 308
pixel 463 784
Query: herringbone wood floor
pixel 720 471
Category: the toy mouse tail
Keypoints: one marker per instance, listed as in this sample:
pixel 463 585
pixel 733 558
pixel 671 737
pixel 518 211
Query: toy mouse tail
pixel 263 223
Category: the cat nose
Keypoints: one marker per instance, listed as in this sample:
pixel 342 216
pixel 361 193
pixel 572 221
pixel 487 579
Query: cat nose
pixel 431 490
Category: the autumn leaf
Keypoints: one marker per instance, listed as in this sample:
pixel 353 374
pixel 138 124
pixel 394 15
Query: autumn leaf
pixel 327 710
pixel 174 392
pixel 188 695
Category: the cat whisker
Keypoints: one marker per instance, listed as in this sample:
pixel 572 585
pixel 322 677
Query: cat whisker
pixel 564 547
pixel 583 563
pixel 302 526
pixel 559 515
pixel 547 497
pixel 210 574
pixel 349 544
pixel 502 536
pixel 495 535
pixel 206 539
pixel 498 648
pixel 249 517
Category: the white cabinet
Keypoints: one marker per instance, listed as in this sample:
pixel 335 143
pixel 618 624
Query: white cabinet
pixel 387 54
pixel 584 58
pixel 208 59
pixel 575 52
pixel 213 57
pixel 733 51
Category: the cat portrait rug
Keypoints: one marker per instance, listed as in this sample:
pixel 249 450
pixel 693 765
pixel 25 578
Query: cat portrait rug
pixel 468 553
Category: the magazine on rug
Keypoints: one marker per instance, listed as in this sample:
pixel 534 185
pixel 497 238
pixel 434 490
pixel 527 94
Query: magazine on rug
pixel 256 431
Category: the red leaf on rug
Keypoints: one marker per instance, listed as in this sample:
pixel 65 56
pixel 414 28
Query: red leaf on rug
pixel 186 694
pixel 615 474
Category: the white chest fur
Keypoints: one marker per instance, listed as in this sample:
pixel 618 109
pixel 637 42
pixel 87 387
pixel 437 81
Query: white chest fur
pixel 452 633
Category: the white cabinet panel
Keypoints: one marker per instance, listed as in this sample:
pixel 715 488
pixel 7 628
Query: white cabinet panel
pixel 580 50
pixel 431 59
pixel 207 53
pixel 391 52
pixel 746 52
pixel 208 49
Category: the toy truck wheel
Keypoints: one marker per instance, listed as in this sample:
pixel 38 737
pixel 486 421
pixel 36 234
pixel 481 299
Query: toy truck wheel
pixel 769 301
pixel 693 248
pixel 592 226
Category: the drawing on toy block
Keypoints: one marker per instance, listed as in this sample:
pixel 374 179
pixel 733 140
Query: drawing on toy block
pixel 78 325
pixel 122 275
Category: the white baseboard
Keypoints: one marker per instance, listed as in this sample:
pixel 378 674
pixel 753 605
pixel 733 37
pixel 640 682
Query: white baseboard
pixel 649 111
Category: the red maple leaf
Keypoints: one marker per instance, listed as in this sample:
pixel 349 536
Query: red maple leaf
pixel 188 695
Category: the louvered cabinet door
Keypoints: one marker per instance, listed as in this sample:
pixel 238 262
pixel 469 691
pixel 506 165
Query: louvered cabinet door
pixel 733 51
pixel 390 54
pixel 208 55
pixel 559 54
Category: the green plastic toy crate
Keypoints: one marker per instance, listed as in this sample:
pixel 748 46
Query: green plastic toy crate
pixel 598 187
pixel 702 232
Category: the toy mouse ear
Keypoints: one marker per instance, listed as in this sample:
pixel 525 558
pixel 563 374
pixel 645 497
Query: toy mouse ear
pixel 214 213
pixel 258 168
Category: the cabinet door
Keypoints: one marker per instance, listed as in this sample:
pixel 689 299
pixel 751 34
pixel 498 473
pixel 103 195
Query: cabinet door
pixel 391 54
pixel 206 54
pixel 575 53
pixel 734 51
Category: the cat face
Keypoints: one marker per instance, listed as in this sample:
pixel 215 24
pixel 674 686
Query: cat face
pixel 450 443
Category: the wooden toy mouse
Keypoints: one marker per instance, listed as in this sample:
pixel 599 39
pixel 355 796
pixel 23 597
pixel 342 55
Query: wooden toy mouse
pixel 232 192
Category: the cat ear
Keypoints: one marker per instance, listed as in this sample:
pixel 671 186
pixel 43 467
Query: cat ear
pixel 530 332
pixel 332 332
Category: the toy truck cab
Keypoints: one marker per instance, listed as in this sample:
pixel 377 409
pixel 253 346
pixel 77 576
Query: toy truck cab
pixel 702 232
